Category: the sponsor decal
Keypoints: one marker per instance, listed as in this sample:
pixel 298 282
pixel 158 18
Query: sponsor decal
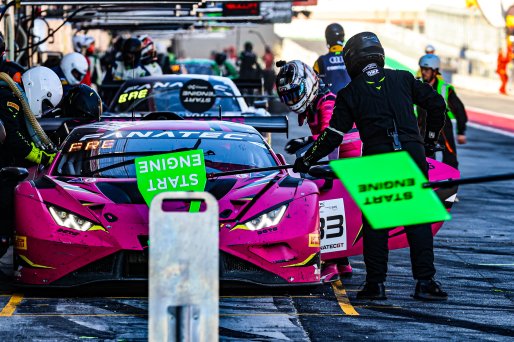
pixel 197 96
pixel 332 226
pixel 267 230
pixel 336 67
pixel 370 66
pixel 133 95
pixel 336 59
pixel 67 232
pixel 372 72
pixel 163 135
pixel 20 242
pixel 13 105
pixel 314 240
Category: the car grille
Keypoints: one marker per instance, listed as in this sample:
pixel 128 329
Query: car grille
pixel 104 265
pixel 230 263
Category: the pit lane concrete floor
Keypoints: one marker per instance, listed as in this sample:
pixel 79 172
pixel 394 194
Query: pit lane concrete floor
pixel 474 258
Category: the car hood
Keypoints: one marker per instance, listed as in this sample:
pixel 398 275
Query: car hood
pixel 239 197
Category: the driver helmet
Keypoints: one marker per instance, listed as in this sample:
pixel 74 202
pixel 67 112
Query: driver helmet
pixel 220 58
pixel 75 67
pixel 429 49
pixel 81 42
pixel 362 49
pixel 430 61
pixel 334 34
pixel 131 52
pixel 148 51
pixel 43 89
pixel 297 85
pixel 82 101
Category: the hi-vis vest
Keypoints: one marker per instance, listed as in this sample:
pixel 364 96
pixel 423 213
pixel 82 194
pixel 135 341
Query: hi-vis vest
pixel 443 89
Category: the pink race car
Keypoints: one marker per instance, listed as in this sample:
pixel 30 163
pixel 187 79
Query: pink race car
pixel 85 221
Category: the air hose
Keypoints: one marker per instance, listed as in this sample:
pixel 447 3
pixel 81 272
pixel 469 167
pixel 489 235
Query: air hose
pixel 37 134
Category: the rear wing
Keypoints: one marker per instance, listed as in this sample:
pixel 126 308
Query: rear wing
pixel 263 124
pixel 58 129
pixel 250 83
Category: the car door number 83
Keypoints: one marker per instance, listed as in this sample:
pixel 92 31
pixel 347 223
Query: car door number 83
pixel 332 225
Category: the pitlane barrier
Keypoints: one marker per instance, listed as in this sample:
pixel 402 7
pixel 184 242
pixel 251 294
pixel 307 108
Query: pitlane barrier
pixel 491 119
pixel 184 270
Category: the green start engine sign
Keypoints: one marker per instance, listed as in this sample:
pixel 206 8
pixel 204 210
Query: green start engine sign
pixel 179 171
pixel 388 189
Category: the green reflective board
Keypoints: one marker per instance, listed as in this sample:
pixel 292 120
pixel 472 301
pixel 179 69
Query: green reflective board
pixel 388 189
pixel 179 171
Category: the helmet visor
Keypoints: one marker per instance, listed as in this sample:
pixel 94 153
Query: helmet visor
pixel 293 95
pixel 78 75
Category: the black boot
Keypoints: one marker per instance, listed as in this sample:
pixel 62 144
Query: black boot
pixel 372 290
pixel 4 244
pixel 429 290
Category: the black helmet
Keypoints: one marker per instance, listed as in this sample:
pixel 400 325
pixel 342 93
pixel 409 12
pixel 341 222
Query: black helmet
pixel 334 34
pixel 131 51
pixel 220 58
pixel 248 46
pixel 360 50
pixel 82 102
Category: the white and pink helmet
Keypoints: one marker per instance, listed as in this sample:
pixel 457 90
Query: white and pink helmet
pixel 297 85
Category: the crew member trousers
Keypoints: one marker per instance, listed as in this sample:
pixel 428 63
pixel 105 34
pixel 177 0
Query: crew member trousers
pixel 447 139
pixel 420 237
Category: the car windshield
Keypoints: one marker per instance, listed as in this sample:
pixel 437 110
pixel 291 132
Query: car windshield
pixel 198 68
pixel 145 98
pixel 112 154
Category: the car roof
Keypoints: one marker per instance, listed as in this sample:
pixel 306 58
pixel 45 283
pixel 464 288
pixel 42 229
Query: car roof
pixel 174 78
pixel 170 125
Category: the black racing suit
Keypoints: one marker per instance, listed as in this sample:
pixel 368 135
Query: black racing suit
pixel 374 100
pixel 12 153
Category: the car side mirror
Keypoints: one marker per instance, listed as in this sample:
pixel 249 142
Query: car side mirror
pixel 282 159
pixel 323 172
pixel 261 104
pixel 14 173
pixel 326 173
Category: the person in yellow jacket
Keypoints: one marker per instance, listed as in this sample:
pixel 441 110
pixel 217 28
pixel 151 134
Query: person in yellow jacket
pixel 330 67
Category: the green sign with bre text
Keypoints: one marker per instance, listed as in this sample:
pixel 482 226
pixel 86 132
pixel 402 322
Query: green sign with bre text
pixel 388 189
pixel 179 171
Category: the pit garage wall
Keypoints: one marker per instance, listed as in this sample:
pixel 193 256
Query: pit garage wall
pixel 200 44
pixel 449 29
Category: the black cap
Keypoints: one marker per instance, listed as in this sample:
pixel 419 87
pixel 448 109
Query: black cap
pixel 360 50
pixel 334 34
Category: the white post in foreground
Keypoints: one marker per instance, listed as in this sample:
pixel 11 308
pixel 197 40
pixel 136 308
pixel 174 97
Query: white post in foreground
pixel 184 270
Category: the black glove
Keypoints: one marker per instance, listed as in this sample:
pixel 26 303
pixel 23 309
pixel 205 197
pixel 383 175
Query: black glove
pixel 301 166
pixel 294 145
pixel 430 149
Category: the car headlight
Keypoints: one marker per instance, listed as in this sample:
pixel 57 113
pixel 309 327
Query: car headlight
pixel 66 219
pixel 271 218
